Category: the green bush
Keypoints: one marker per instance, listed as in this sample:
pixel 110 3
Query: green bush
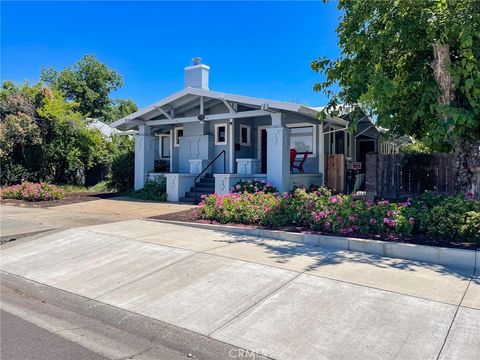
pixel 448 217
pixel 123 164
pixel 471 228
pixel 155 190
pixel 253 186
pixel 455 218
pixel 242 208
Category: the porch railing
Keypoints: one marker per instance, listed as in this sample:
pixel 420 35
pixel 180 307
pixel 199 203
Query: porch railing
pixel 205 169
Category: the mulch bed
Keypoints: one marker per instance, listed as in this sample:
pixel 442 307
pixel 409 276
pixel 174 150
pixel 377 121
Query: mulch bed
pixel 70 198
pixel 189 216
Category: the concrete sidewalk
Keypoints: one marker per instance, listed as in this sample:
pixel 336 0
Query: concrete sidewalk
pixel 283 300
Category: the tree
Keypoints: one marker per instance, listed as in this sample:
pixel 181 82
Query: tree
pixel 88 82
pixel 416 65
pixel 43 137
pixel 119 109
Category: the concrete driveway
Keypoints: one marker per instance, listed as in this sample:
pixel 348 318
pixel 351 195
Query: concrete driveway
pixel 18 222
pixel 126 208
pixel 280 299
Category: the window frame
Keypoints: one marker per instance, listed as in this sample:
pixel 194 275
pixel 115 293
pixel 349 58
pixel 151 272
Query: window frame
pixel 160 149
pixel 314 138
pixel 249 135
pixel 217 126
pixel 176 140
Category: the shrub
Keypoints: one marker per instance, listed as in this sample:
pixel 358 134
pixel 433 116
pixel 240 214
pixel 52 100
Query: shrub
pixel 435 216
pixel 123 166
pixel 155 190
pixel 446 217
pixel 243 208
pixel 471 228
pixel 253 186
pixel 32 192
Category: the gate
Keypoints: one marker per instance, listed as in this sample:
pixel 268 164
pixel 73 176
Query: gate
pixel 335 172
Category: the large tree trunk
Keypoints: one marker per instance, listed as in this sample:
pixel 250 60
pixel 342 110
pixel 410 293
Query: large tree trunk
pixel 467 156
pixel 440 66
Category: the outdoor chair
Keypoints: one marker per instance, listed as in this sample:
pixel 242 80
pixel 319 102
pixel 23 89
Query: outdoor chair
pixel 293 160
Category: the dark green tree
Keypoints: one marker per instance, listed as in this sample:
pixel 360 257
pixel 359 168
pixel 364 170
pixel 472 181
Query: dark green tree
pixel 416 65
pixel 119 109
pixel 88 82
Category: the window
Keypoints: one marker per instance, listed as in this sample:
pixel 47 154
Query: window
pixel 165 146
pixel 220 134
pixel 302 138
pixel 178 133
pixel 245 135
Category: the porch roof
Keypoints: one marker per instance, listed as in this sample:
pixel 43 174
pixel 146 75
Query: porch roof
pixel 166 110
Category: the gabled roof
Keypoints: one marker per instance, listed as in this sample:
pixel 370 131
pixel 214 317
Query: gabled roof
pixel 188 98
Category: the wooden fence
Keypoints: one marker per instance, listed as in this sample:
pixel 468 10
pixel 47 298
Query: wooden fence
pixel 335 172
pixel 393 176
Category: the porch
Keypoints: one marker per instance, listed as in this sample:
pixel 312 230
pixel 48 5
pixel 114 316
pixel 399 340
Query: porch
pixel 251 148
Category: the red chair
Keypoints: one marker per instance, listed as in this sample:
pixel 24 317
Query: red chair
pixel 293 155
pixel 300 161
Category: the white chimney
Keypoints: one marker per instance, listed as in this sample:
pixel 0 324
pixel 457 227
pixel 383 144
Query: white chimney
pixel 196 76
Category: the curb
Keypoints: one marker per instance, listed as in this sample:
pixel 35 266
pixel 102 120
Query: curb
pixel 460 258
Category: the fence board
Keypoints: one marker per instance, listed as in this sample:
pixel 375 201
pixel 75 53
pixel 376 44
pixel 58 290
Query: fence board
pixel 335 172
pixel 393 176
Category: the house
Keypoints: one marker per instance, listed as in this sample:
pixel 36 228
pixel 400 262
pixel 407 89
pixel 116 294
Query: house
pixel 106 130
pixel 211 140
pixel 354 146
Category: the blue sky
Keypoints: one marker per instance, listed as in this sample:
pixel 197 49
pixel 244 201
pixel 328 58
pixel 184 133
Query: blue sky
pixel 260 49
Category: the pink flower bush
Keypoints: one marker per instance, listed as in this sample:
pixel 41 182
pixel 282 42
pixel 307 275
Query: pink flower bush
pixel 317 209
pixel 253 186
pixel 32 192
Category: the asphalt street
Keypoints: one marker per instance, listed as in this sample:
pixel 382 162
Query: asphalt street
pixel 22 340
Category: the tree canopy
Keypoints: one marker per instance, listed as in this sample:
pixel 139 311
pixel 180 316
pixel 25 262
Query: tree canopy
pixel 414 63
pixel 89 83
pixel 43 137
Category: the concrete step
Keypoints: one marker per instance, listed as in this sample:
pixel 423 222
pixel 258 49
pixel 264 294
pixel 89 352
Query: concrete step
pixel 190 200
pixel 204 189
pixel 199 193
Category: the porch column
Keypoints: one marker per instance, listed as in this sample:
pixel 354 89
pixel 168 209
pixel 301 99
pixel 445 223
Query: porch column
pixel 321 152
pixel 278 154
pixel 231 147
pixel 144 155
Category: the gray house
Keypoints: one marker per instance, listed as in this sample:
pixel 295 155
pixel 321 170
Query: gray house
pixel 219 139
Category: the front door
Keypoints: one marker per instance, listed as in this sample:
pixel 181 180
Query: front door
pixel 263 151
pixel 364 147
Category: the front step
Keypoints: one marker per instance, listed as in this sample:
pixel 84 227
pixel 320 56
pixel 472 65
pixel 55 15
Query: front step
pixel 205 186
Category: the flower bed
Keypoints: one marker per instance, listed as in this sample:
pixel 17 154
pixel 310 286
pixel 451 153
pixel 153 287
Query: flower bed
pixel 32 192
pixel 456 218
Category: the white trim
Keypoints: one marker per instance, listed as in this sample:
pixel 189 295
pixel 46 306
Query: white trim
pixel 249 135
pixel 167 115
pixel 224 116
pixel 314 137
pixel 160 149
pixel 278 105
pixel 259 141
pixel 228 106
pixel 217 142
pixel 176 140
pixel 321 153
pixel 231 156
pixel 171 149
